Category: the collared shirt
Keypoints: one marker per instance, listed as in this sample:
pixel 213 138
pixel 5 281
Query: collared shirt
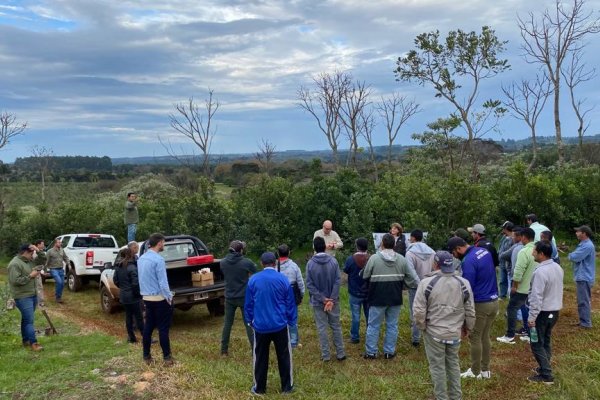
pixel 584 261
pixel 524 268
pixel 331 237
pixel 546 289
pixel 152 274
pixel 56 258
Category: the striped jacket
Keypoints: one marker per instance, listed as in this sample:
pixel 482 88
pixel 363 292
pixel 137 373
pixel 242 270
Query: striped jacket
pixel 387 272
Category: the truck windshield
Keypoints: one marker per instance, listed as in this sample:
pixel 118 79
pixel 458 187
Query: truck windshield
pixel 178 251
pixel 84 241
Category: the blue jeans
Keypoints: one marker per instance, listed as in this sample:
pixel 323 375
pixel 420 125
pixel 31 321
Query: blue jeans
pixel 355 304
pixel 293 329
pixel 27 307
pixel 415 332
pixel 131 230
pixel 584 303
pixel 376 316
pixel 58 274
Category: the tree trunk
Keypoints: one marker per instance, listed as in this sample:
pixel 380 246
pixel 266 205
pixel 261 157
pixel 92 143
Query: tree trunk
pixel 533 150
pixel 559 141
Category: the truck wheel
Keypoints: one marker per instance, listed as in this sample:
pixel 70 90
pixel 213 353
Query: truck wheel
pixel 108 304
pixel 73 281
pixel 215 308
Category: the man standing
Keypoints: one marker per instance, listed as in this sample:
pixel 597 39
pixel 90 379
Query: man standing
pixel 21 279
pixel 332 239
pixel 157 296
pixel 545 301
pixel 444 310
pixel 420 256
pixel 323 283
pixel 290 269
pixel 584 272
pixel 357 287
pixel 386 271
pixel 505 243
pixel 56 256
pixel 480 240
pixel 131 216
pixel 236 271
pixel 270 308
pixel 478 268
pixel 39 261
pixel 521 281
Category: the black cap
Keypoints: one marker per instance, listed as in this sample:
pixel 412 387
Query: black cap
pixel 25 247
pixel 455 242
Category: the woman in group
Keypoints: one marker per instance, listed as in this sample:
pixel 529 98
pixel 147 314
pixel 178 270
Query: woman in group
pixel 126 279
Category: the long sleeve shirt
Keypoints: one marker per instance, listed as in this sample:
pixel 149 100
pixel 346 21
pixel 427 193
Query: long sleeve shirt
pixel 524 268
pixel 56 258
pixel 331 238
pixel 478 268
pixel 152 275
pixel 546 289
pixel 584 261
pixel 21 284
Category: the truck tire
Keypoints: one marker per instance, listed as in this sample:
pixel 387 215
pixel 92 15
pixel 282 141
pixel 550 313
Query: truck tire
pixel 73 281
pixel 215 308
pixel 107 303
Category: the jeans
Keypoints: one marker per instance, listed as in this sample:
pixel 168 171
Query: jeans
pixel 584 305
pixel 293 329
pixel 444 368
pixel 517 300
pixel 159 314
pixel 27 307
pixel 376 316
pixel 231 305
pixel 131 230
pixel 332 319
pixel 485 313
pixel 542 350
pixel 133 314
pixel 58 274
pixel 262 343
pixel 503 282
pixel 355 305
pixel 415 332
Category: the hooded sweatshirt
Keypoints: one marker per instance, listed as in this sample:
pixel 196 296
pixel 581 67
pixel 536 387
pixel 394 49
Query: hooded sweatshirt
pixel 421 257
pixel 323 279
pixel 357 286
pixel 387 271
pixel 236 270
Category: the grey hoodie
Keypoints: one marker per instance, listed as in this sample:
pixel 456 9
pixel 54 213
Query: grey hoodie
pixel 421 257
pixel 323 278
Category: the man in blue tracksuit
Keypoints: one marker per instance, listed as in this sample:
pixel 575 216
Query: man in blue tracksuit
pixel 270 308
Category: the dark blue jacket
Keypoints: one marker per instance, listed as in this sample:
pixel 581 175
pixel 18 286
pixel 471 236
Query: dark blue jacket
pixel 126 279
pixel 357 286
pixel 270 305
pixel 478 268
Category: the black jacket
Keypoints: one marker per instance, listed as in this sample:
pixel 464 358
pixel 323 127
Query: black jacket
pixel 126 279
pixel 489 246
pixel 400 246
pixel 236 270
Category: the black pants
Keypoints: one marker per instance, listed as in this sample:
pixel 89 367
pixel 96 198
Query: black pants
pixel 262 343
pixel 158 315
pixel 516 301
pixel 133 315
pixel 542 350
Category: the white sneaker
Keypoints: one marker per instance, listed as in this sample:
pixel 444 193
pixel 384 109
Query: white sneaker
pixel 506 339
pixel 525 339
pixel 469 374
pixel 486 374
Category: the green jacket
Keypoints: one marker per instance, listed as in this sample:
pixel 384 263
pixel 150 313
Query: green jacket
pixel 21 284
pixel 41 258
pixel 56 258
pixel 131 215
pixel 524 268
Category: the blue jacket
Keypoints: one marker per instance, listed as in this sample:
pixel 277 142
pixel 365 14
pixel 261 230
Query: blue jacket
pixel 478 268
pixel 357 286
pixel 152 274
pixel 270 305
pixel 323 279
pixel 584 261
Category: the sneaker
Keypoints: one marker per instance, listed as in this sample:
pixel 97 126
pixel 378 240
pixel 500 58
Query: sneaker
pixel 485 374
pixel 522 332
pixel 369 356
pixel 224 354
pixel 541 379
pixel 287 392
pixel 36 347
pixel 342 358
pixel 506 339
pixel 525 339
pixel 389 356
pixel 469 374
pixel 253 392
pixel 60 301
pixel 354 341
pixel 536 370
pixel 325 359
pixel 415 344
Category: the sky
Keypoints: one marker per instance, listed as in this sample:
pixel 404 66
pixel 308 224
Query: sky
pixel 100 77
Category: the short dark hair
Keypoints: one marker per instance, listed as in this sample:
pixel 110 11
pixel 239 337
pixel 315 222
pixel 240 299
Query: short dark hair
pixel 319 244
pixel 547 234
pixel 388 241
pixel 129 194
pixel 283 250
pixel 417 234
pixel 531 217
pixel 39 241
pixel 544 247
pixel 528 233
pixel 362 244
pixel 518 230
pixel 155 239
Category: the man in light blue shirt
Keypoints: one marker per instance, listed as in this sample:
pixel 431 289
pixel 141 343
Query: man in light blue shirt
pixel 158 299
pixel 584 269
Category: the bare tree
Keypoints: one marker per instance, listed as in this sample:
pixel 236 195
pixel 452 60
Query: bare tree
pixel 197 124
pixel 265 155
pixel 549 39
pixel 354 101
pixel 366 122
pixel 396 111
pixel 526 100
pixel 42 157
pixel 324 103
pixel 575 74
pixel 9 127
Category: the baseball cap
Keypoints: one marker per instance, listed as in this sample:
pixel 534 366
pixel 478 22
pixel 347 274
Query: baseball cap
pixel 237 246
pixel 455 242
pixel 445 261
pixel 585 229
pixel 478 228
pixel 268 258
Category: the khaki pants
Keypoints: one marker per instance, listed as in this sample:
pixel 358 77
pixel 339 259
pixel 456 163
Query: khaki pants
pixel 39 289
pixel 444 368
pixel 485 313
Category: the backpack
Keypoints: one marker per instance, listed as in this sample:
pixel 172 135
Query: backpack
pixel 435 280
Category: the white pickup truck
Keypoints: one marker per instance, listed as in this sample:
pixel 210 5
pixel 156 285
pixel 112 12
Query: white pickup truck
pixel 87 252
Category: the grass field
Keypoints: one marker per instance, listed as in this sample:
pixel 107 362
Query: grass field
pixel 90 359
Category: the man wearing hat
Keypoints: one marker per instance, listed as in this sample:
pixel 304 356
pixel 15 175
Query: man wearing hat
pixel 236 271
pixel 443 309
pixel 270 308
pixel 21 279
pixel 584 269
pixel 478 268
pixel 480 240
